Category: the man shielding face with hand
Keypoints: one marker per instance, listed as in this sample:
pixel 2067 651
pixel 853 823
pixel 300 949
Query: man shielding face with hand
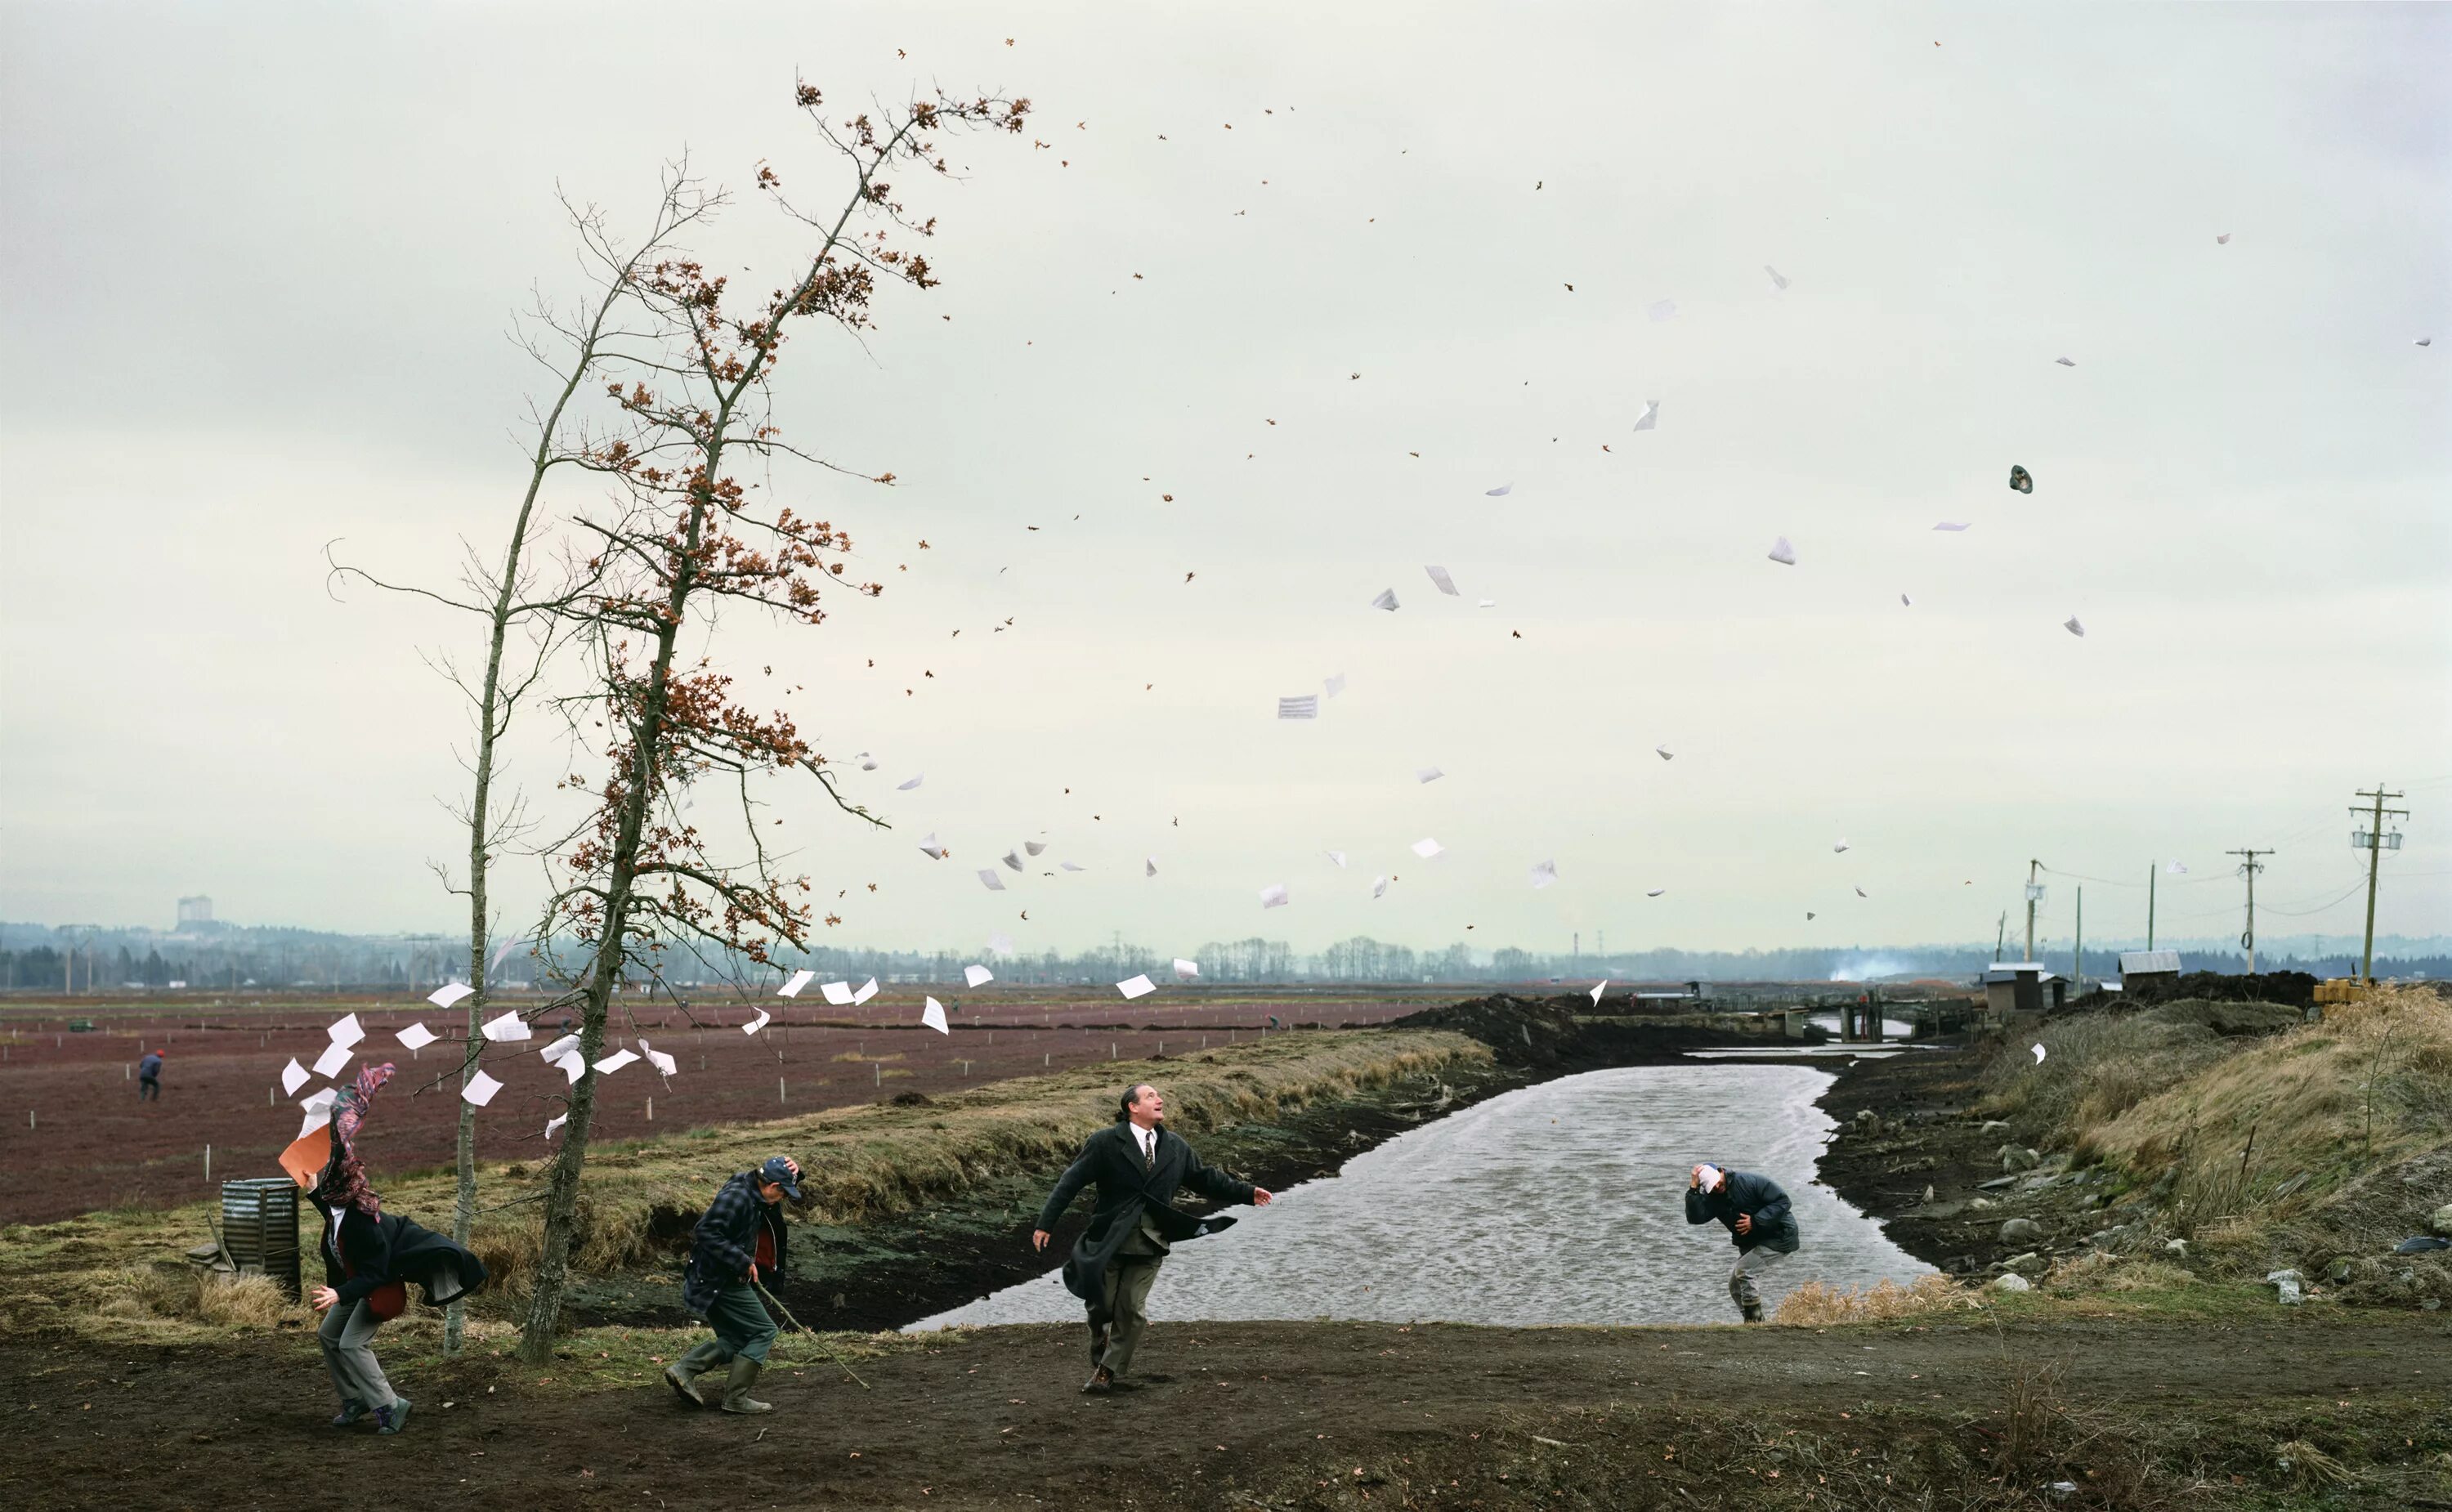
pixel 1137 1167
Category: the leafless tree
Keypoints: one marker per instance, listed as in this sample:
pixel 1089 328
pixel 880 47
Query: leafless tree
pixel 569 345
pixel 682 534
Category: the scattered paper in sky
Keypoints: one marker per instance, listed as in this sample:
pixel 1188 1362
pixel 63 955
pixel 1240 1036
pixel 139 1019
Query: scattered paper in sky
pixel 659 1059
pixel 449 994
pixel 1303 706
pixel 1839 848
pixel 2222 240
pixel 1137 987
pixel 1499 492
pixel 1649 419
pixel 1860 891
pixel 1148 866
pixel 1336 685
pixel 1387 600
pixel 2021 480
pixel 1379 887
pixel 502 949
pixel 333 1059
pixel 977 975
pixel 933 1016
pixel 415 1037
pixel 906 787
pixel 867 990
pixel 867 762
pixel 322 1098
pixel 558 1049
pixel 1597 989
pixel 572 1065
pixel 614 1061
pixel 1544 872
pixel 1274 896
pixel 755 1024
pixel 507 1029
pixel 1440 580
pixel 1663 309
pixel 1338 856
pixel 2064 362
pixel 792 987
pixel 2039 1054
pixel 1783 553
pixel 316 1118
pixel 1070 867
pixel 999 943
pixel 1655 892
pixel 990 880
pixel 2424 340
pixel 1902 602
pixel 1011 859
pixel 347 1032
pixel 293 1076
pixel 2071 625
pixel 1951 525
pixel 553 1123
pixel 932 848
pixel 1186 970
pixel 2177 868
pixel 1664 753
pixel 1427 774
pixel 838 994
pixel 480 1090
pixel 1426 847
pixel 1486 603
pixel 1776 282
pixel 1033 846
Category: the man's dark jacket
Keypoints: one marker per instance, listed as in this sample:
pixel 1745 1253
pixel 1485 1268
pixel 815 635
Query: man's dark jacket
pixel 726 1243
pixel 1111 1158
pixel 1742 1192
pixel 387 1248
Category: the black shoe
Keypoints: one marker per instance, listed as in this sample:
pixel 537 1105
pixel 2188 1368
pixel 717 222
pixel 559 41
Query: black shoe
pixel 1101 1382
pixel 350 1412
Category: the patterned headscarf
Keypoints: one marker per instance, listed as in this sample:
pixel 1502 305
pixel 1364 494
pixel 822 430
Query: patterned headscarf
pixel 343 1182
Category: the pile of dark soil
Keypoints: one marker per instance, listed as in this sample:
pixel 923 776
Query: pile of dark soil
pixel 2293 988
pixel 1519 1030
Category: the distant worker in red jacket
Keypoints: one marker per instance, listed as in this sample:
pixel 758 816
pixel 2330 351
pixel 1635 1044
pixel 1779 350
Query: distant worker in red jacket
pixel 149 1077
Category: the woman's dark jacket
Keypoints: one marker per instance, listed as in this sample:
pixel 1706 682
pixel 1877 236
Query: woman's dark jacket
pixel 1111 1158
pixel 725 1244
pixel 376 1251
pixel 1744 1193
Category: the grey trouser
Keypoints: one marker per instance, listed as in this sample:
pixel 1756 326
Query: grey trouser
pixel 1124 1295
pixel 348 1328
pixel 1741 1276
pixel 741 1327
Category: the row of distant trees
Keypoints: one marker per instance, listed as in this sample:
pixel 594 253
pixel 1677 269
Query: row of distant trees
pixel 341 962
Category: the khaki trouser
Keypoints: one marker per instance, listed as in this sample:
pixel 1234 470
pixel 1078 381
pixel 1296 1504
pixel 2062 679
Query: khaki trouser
pixel 1741 1275
pixel 348 1335
pixel 1124 1294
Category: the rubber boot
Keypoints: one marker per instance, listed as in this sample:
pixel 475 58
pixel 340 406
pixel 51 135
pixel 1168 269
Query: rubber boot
pixel 682 1374
pixel 736 1391
pixel 1754 1312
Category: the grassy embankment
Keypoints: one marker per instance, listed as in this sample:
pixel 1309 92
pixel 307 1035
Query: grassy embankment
pixel 121 1273
pixel 2313 1147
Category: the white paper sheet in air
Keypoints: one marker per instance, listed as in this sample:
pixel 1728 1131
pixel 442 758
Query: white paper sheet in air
pixel 1137 987
pixel 990 880
pixel 558 1049
pixel 1499 492
pixel 322 1099
pixel 572 1065
pixel 449 994
pixel 755 1024
pixel 792 987
pixel 334 1057
pixel 1949 524
pixel 931 848
pixel 1187 970
pixel 1427 774
pixel 1338 856
pixel 933 1016
pixel 1776 282
pixel 480 1090
pixel 1334 685
pixel 2064 362
pixel 1860 891
pixel 1597 990
pixel 2039 1054
pixel 1838 847
pixel 1379 887
pixel 659 1059
pixel 347 1032
pixel 314 1121
pixel 1070 867
pixel 614 1061
pixel 1655 892
pixel 1544 872
pixel 1274 896
pixel 293 1076
pixel 1011 861
pixel 1440 580
pixel 507 1028
pixel 977 975
pixel 1033 847
pixel 1664 753
pixel 906 787
pixel 2071 625
pixel 415 1037
pixel 1387 600
pixel 1305 706
pixel 838 994
pixel 867 990
pixel 1426 848
pixel 1649 419
pixel 1148 866
pixel 1783 553
pixel 553 1123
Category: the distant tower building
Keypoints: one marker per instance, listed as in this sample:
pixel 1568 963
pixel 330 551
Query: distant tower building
pixel 197 910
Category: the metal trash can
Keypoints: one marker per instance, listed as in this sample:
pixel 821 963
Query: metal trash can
pixel 260 1228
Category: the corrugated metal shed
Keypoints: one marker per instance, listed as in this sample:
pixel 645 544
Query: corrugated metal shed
pixel 2139 963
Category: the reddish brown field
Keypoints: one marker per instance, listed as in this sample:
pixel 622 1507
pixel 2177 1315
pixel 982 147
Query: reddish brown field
pixel 73 1137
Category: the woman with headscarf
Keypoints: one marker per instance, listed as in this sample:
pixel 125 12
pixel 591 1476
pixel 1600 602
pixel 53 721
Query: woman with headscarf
pixel 370 1257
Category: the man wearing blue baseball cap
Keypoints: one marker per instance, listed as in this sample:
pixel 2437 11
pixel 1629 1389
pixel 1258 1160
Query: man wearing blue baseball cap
pixel 739 1243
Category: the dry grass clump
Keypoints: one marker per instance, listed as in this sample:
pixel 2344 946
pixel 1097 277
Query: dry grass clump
pixel 184 1294
pixel 2095 1068
pixel 1817 1305
pixel 2103 1270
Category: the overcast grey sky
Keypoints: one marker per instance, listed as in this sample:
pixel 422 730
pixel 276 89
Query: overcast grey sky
pixel 261 261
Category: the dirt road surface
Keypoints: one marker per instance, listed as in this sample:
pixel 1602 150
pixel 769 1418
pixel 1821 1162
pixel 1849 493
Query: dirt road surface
pixel 1239 1416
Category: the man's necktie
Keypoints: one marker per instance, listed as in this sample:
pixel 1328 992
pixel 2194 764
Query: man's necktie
pixel 1149 1158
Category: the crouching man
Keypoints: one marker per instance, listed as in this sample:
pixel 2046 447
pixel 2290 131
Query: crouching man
pixel 738 1245
pixel 1756 1215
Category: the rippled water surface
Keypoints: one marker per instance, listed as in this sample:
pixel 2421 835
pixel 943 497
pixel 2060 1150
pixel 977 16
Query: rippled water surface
pixel 1561 1203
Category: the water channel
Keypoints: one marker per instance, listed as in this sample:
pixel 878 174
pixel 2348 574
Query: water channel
pixel 1557 1203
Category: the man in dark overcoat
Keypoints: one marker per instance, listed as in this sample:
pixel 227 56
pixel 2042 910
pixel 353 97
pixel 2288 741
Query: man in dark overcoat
pixel 1137 1165
pixel 1760 1223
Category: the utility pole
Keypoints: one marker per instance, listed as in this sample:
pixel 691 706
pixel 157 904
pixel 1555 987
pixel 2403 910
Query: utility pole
pixel 2375 842
pixel 2077 953
pixel 2000 933
pixel 2151 869
pixel 2034 895
pixel 2248 868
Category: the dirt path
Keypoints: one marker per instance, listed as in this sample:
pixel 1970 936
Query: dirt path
pixel 1240 1415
